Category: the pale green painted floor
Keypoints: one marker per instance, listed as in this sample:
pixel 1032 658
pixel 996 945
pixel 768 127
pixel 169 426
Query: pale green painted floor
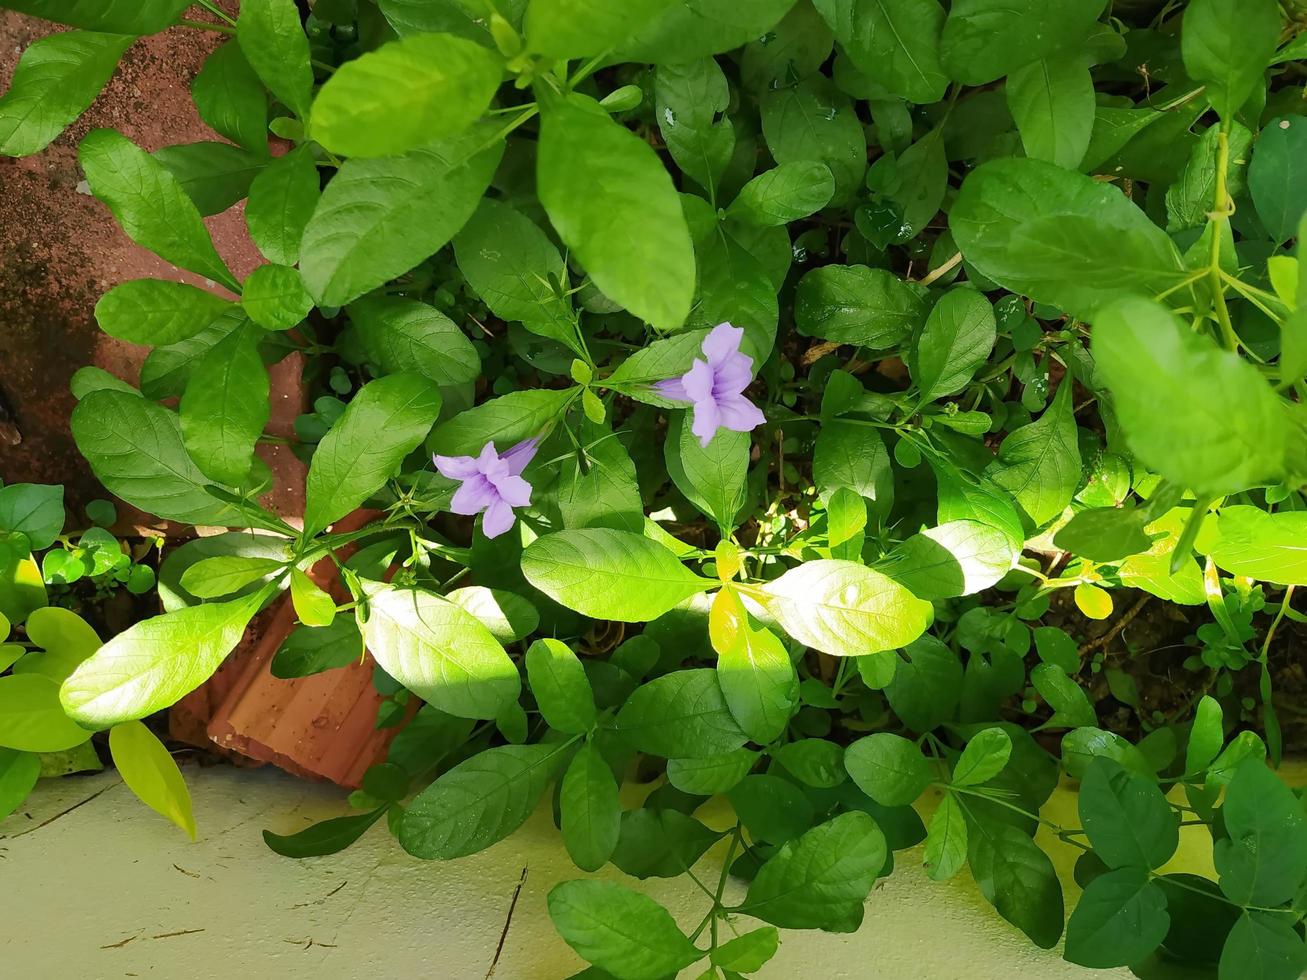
pixel 108 889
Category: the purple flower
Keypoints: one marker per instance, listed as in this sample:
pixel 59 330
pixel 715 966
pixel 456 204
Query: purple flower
pixel 491 483
pixel 715 387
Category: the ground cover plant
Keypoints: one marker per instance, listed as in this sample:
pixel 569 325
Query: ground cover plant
pixel 762 400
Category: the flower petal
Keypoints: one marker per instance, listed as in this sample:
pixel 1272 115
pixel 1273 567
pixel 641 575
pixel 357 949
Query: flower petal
pixel 721 343
pixel 698 381
pixel 474 496
pixel 706 421
pixel 513 489
pixel 732 376
pixel 739 414
pixel 672 389
pixel 455 467
pixel 499 518
pixel 520 456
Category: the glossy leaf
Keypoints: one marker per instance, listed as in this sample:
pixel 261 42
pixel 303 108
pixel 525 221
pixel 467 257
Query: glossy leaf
pixel 150 772
pixel 597 182
pixel 439 651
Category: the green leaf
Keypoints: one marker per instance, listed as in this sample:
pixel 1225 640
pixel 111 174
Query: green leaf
pixel 213 175
pixel 479 802
pixel 609 574
pixel 854 456
pixel 661 843
pixel 35 510
pixel 225 407
pixel 504 421
pixel 820 880
pixel 1052 101
pixel 230 98
pixel 591 813
pixel 984 757
pixel 135 449
pixel 156 662
pixel 150 772
pixel 274 43
pixel 1127 818
pixel 379 218
pixel 157 312
pixel 1190 198
pixel 31 718
pixel 1060 238
pixel 888 768
pixel 1263 861
pixel 757 678
pixel 606 493
pixel 1200 416
pixel 312 605
pixel 275 298
pixel 508 616
pixel 946 840
pixel 1071 705
pixel 386 421
pixel 1226 45
pixel 1263 946
pixel 1263 546
pixel 712 477
pixel 149 204
pixel 561 688
pixel 1018 879
pixel 56 79
pixel 748 952
pixel 691 100
pixel 223 575
pixel 281 200
pixel 925 686
pixel 619 930
pixel 1039 463
pixel 957 339
pixel 598 181
pixel 19 772
pixel 852 304
pixel 712 774
pixel 1277 175
pixel 405 94
pixel 312 649
pixel 785 193
pixel 516 270
pixel 566 29
pixel 953 559
pixel 327 837
pixel 115 16
pixel 440 652
pixel 815 121
pixel 845 609
pixel 1206 736
pixel 895 43
pixel 21 587
pixel 693 30
pixel 1106 534
pixel 986 39
pixel 681 715
pixel 1120 919
pixel 403 335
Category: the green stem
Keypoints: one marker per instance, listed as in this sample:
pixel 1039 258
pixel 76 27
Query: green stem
pixel 1219 218
pixel 217 11
pixel 200 25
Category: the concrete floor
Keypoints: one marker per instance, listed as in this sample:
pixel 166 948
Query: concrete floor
pixel 93 885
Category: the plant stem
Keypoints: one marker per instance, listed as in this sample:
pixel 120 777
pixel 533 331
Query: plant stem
pixel 1219 217
pixel 200 25
pixel 217 11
